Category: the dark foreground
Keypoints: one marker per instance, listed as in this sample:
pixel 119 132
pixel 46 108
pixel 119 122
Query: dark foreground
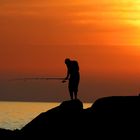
pixel 107 117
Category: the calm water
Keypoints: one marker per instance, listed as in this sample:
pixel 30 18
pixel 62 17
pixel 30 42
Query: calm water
pixel 15 115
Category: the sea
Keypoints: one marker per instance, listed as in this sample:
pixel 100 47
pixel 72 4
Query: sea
pixel 15 115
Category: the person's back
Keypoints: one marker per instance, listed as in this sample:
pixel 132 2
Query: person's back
pixel 74 68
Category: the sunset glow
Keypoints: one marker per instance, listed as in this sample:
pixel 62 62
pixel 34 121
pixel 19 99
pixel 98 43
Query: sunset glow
pixel 37 35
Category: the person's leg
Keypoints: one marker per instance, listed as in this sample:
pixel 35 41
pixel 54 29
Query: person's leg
pixel 70 89
pixel 75 94
pixel 76 87
pixel 71 95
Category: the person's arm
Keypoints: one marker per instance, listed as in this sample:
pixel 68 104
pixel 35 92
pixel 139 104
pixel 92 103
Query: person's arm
pixel 67 76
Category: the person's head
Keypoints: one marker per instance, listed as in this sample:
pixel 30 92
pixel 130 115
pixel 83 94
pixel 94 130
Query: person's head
pixel 67 61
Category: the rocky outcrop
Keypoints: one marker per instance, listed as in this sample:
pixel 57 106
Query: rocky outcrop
pixel 64 119
pixel 69 120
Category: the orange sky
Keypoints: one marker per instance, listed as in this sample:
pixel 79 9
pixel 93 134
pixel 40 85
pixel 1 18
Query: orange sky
pixel 36 36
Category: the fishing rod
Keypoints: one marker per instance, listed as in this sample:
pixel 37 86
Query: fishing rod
pixel 38 78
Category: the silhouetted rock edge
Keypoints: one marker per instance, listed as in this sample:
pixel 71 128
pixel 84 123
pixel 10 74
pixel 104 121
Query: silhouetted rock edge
pixel 70 116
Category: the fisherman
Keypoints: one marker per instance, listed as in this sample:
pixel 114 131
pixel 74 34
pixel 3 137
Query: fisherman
pixel 73 76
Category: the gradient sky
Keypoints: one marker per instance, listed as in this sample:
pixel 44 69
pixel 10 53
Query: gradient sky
pixel 37 35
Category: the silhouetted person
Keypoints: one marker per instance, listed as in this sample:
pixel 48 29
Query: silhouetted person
pixel 73 76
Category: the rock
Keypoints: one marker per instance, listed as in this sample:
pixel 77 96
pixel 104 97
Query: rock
pixel 70 121
pixel 55 121
pixel 9 134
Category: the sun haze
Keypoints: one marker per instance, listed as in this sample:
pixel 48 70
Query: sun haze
pixel 37 35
